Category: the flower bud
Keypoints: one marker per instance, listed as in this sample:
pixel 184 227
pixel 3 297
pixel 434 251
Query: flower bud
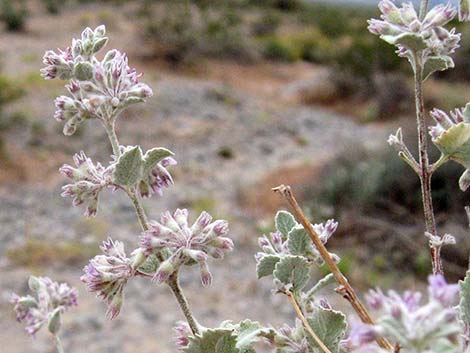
pixel 464 10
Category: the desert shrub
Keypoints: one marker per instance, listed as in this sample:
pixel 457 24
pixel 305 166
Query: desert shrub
pixel 175 35
pixel 280 49
pixel 267 23
pixel 182 32
pixel 13 14
pixel 53 6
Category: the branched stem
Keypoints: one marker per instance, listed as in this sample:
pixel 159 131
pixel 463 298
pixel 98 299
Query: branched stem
pixel 345 289
pixel 133 194
pixel 307 326
pixel 425 172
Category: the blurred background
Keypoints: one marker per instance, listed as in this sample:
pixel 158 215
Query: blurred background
pixel 249 94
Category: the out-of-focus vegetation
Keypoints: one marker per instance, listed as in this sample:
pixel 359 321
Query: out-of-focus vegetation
pixel 9 92
pixel 13 14
pixel 362 190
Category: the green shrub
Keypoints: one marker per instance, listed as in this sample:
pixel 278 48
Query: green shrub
pixel 267 23
pixel 13 14
pixel 277 48
pixel 53 6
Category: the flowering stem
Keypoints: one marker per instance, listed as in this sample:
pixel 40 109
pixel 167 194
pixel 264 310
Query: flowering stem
pixel 174 284
pixel 58 344
pixel 345 289
pixel 307 326
pixel 111 131
pixel 140 212
pixel 425 171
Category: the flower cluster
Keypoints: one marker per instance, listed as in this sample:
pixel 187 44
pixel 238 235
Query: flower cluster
pixel 292 339
pixel 150 169
pixel 88 180
pixel 278 244
pixel 50 300
pixel 184 244
pixel 183 332
pixel 402 27
pixel 451 135
pixel 414 325
pixel 98 89
pixel 157 178
pixel 108 274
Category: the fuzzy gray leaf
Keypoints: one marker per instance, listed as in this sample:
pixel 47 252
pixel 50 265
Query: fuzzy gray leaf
pixel 266 265
pixel 293 270
pixel 298 241
pixel 213 341
pixel 153 156
pixel 285 222
pixel 129 167
pixel 464 304
pixel 330 327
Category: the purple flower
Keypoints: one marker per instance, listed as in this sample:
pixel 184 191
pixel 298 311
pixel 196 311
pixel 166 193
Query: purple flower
pixel 401 26
pixel 58 64
pixel 108 274
pixel 49 298
pixel 277 244
pixel 88 180
pixel 186 244
pixel 183 332
pixel 158 178
pixel 444 293
pixel 360 335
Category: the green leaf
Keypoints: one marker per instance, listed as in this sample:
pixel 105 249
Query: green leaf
pixel 293 270
pixel 153 156
pixel 54 322
pixel 325 281
pixel 284 222
pixel 330 327
pixel 437 63
pixel 298 241
pixel 150 265
pixel 455 143
pixel 129 167
pixel 464 304
pixel 213 341
pixel 408 40
pixel 266 265
pixel 250 332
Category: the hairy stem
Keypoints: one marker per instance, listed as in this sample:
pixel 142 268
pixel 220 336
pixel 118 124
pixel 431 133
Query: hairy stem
pixel 425 171
pixel 133 194
pixel 174 284
pixel 345 289
pixel 58 344
pixel 111 131
pixel 423 9
pixel 307 326
pixel 139 209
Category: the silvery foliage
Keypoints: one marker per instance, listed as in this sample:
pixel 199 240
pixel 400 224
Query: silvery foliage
pixel 101 89
pixel 429 42
pixel 45 307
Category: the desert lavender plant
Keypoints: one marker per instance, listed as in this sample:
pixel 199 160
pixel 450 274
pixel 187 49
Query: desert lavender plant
pixel 101 89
